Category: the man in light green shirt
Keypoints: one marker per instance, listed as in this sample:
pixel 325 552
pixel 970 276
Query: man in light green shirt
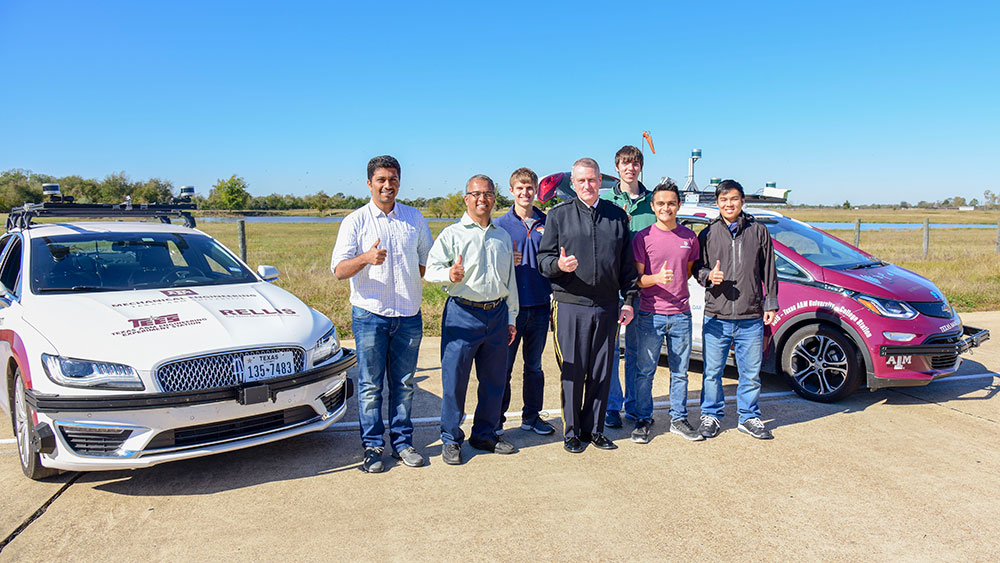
pixel 474 261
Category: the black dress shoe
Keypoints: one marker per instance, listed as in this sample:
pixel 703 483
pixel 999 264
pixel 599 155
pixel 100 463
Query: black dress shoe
pixel 602 442
pixel 573 445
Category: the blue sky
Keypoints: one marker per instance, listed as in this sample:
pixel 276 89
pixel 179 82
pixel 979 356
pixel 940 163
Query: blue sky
pixel 862 101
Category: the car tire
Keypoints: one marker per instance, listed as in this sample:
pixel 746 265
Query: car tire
pixel 21 419
pixel 821 363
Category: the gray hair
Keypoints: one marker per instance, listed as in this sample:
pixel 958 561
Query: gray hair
pixel 587 163
pixel 483 177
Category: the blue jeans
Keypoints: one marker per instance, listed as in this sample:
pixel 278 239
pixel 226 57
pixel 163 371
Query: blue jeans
pixel 616 400
pixel 386 344
pixel 532 330
pixel 472 335
pixel 746 337
pixel 652 328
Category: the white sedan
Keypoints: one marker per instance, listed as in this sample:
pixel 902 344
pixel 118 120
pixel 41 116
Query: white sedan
pixel 127 344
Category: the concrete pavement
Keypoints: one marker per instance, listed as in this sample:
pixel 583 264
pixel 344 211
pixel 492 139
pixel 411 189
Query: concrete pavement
pixel 909 473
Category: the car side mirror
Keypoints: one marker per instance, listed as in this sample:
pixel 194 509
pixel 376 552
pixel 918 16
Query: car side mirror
pixel 268 273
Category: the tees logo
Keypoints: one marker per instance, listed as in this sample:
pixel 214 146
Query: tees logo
pixel 540 229
pixel 153 321
pixel 178 292
pixel 686 244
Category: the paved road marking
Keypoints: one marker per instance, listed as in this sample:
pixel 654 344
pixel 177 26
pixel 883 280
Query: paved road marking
pixel 432 420
pixel 551 413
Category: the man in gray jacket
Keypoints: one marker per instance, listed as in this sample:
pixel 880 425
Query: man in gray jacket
pixel 738 271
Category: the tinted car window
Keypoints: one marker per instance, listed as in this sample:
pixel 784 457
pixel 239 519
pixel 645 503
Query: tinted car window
pixel 11 269
pixel 818 247
pixel 121 261
pixel 788 270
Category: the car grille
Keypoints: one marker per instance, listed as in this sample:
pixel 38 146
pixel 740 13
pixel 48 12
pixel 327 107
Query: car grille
pixel 335 399
pixel 103 442
pixel 231 429
pixel 933 308
pixel 943 361
pixel 212 372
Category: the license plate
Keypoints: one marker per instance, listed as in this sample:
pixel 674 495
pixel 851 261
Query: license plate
pixel 255 367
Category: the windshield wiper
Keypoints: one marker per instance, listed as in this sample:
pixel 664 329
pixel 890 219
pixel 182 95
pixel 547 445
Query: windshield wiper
pixel 867 265
pixel 81 288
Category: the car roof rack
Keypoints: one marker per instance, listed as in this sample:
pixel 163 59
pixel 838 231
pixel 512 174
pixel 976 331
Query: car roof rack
pixel 21 217
pixel 699 197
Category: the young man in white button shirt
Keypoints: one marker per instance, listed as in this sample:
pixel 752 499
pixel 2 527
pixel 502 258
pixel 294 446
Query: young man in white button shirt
pixel 382 248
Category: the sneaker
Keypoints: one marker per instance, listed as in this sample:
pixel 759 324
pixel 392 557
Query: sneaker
pixel 683 427
pixel 613 419
pixel 373 460
pixel 540 427
pixel 452 454
pixel 409 456
pixel 754 427
pixel 710 427
pixel 499 431
pixel 641 433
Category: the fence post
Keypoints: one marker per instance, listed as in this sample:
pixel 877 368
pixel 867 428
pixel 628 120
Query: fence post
pixel 241 232
pixel 998 237
pixel 857 233
pixel 927 236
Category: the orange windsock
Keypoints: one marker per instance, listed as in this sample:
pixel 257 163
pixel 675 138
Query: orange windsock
pixel 649 139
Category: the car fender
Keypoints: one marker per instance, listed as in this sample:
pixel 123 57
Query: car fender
pixel 788 326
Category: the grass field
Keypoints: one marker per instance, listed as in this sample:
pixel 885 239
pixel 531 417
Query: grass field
pixel 962 262
pixel 947 216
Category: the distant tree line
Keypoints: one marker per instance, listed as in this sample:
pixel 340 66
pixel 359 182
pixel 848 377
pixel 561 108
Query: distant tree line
pixel 18 186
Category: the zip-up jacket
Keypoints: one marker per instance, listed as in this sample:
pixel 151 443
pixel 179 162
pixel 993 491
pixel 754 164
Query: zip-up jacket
pixel 640 212
pixel 750 280
pixel 600 239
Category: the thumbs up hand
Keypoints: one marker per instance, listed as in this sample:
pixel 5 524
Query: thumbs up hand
pixel 375 255
pixel 664 276
pixel 457 271
pixel 715 276
pixel 517 255
pixel 566 263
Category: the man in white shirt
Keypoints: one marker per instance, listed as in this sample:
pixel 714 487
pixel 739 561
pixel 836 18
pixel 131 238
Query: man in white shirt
pixel 382 248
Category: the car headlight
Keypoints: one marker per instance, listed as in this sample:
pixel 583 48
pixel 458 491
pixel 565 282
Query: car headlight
pixel 83 373
pixel 886 307
pixel 326 346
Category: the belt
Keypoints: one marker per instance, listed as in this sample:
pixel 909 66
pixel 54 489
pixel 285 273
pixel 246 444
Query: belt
pixel 485 305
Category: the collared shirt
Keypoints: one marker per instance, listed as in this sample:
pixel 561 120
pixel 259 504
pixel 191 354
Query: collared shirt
pixel 532 287
pixel 487 256
pixel 393 288
pixel 639 210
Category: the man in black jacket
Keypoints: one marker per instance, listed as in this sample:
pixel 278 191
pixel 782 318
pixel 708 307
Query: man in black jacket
pixel 741 296
pixel 586 252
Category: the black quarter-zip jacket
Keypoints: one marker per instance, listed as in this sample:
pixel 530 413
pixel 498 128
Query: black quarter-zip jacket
pixel 600 239
pixel 750 279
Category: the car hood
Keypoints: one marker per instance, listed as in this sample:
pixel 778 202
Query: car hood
pixel 888 281
pixel 144 328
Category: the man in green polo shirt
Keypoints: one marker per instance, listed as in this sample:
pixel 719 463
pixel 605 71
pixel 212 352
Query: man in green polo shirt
pixel 634 198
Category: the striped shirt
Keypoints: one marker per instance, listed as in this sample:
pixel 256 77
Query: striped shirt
pixel 393 288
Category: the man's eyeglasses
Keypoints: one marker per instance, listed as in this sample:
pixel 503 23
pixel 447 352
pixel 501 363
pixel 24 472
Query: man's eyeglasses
pixel 477 195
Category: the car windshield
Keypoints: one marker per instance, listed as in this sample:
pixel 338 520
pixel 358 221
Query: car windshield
pixel 816 246
pixel 126 261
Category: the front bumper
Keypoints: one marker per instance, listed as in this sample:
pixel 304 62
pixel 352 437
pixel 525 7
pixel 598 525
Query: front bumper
pixel 913 365
pixel 971 338
pixel 127 431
